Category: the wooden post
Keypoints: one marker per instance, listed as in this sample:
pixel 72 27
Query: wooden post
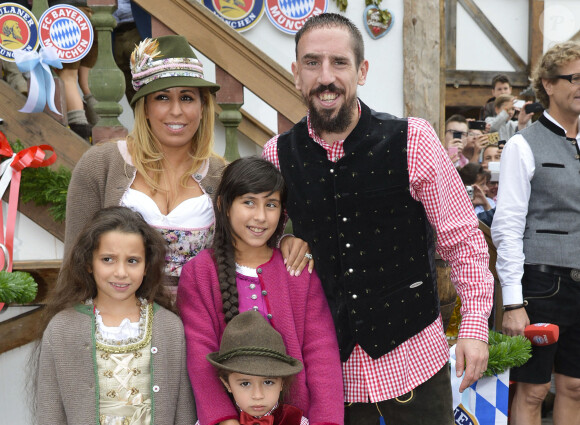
pixel 230 98
pixel 106 80
pixel 421 60
pixel 536 35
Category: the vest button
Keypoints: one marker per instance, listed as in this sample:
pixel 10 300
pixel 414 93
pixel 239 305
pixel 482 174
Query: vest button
pixel 354 296
pixel 344 219
pixel 269 316
pixel 350 270
pixel 332 171
pixel 254 297
pixel 264 293
pixel 259 270
pixel 252 286
pixel 347 245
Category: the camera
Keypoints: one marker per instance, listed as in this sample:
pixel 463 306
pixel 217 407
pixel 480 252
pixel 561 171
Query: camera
pixel 533 107
pixel 469 190
pixel 501 144
pixel 457 134
pixel 477 125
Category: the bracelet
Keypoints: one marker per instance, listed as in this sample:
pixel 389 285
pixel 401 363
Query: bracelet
pixel 514 306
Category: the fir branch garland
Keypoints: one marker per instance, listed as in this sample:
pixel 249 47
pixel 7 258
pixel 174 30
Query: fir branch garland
pixel 17 287
pixel 45 186
pixel 506 352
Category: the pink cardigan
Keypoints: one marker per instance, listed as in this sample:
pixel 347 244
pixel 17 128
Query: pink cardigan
pixel 299 312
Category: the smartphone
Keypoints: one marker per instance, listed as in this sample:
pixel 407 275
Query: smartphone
pixel 501 144
pixel 518 103
pixel 493 138
pixel 476 125
pixel 457 134
pixel 469 191
pixel 533 107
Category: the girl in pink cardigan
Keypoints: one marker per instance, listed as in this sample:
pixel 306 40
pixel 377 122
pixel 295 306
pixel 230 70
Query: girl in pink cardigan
pixel 245 272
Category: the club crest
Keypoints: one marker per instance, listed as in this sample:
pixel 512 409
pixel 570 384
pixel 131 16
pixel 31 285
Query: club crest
pixel 241 15
pixel 18 30
pixel 68 30
pixel 289 15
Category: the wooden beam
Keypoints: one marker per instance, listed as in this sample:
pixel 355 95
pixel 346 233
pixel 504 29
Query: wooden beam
pixel 224 46
pixel 19 330
pixel 421 44
pixel 451 33
pixel 536 34
pixel 494 35
pixel 483 78
pixel 469 96
pixel 38 128
pixel 44 273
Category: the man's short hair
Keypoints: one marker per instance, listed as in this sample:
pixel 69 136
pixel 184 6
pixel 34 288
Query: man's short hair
pixel 455 118
pixel 500 78
pixel 502 99
pixel 556 57
pixel 330 20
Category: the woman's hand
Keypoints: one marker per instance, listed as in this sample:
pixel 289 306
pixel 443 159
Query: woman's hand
pixel 296 255
pixel 479 198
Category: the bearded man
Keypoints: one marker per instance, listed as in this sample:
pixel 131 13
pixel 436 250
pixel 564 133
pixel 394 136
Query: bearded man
pixel 365 190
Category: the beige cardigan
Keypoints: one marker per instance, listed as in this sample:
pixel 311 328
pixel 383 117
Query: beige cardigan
pixel 100 179
pixel 67 388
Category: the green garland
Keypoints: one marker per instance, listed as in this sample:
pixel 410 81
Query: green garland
pixel 17 287
pixel 385 14
pixel 45 186
pixel 506 352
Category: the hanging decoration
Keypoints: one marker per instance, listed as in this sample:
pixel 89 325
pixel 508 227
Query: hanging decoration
pixel 240 15
pixel 14 288
pixel 42 87
pixel 290 15
pixel 378 22
pixel 19 30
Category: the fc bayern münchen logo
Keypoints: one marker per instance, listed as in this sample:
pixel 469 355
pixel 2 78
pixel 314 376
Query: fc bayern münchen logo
pixel 290 15
pixel 19 30
pixel 68 30
pixel 241 15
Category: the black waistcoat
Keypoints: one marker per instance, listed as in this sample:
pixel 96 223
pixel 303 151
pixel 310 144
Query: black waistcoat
pixel 371 241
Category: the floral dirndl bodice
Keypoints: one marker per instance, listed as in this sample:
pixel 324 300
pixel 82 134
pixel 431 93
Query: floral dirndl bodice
pixel 188 228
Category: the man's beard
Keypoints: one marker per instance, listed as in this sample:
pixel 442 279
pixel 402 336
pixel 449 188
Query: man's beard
pixel 322 121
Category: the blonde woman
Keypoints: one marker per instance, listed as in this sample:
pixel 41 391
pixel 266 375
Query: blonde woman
pixel 166 169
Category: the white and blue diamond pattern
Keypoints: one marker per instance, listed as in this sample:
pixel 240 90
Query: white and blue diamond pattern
pixel 65 33
pixel 296 8
pixel 487 398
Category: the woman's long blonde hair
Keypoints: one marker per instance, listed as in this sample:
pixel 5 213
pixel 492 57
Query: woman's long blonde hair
pixel 145 150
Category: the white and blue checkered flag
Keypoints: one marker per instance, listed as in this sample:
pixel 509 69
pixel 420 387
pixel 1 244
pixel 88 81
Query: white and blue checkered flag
pixel 486 399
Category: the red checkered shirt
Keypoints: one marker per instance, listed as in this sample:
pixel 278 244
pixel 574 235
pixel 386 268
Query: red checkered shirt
pixel 434 182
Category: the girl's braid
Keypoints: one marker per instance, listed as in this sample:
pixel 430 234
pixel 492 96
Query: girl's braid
pixel 226 267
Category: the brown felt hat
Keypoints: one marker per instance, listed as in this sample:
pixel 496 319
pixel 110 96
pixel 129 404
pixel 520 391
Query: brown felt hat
pixel 252 347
